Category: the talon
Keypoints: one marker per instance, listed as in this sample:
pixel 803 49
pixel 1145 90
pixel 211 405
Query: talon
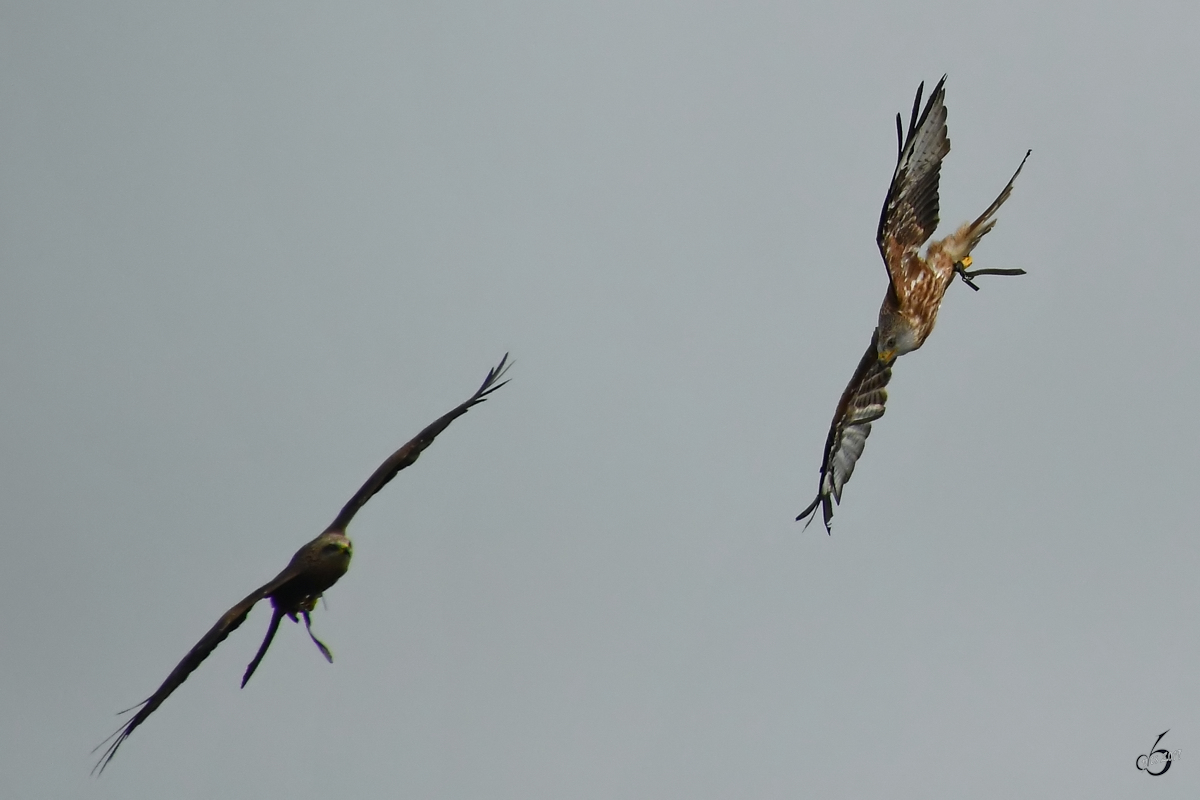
pixel 966 262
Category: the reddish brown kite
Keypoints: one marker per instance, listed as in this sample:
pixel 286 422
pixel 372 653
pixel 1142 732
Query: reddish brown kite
pixel 916 286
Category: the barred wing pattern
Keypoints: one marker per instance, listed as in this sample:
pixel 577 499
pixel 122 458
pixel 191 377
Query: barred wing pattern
pixel 862 403
pixel 910 211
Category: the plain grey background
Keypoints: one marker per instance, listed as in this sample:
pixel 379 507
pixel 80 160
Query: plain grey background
pixel 246 250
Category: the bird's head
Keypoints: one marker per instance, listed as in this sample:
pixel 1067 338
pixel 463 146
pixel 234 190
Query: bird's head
pixel 897 336
pixel 336 548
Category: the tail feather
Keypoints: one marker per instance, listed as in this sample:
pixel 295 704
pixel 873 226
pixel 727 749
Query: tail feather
pixel 968 236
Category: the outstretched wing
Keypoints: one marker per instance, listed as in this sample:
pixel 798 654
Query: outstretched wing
pixel 407 454
pixel 862 403
pixel 226 625
pixel 910 211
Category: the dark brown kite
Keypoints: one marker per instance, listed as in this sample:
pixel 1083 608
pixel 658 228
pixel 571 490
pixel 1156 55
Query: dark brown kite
pixel 314 568
pixel 916 286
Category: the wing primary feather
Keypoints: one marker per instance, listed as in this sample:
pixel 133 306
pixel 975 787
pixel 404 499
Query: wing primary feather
pixel 912 122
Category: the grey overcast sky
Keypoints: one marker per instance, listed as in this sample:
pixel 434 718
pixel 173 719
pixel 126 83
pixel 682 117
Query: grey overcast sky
pixel 247 249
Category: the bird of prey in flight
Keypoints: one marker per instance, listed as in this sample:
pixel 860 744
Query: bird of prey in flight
pixel 314 568
pixel 916 286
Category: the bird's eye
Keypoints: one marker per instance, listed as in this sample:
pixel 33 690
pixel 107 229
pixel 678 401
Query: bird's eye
pixel 890 344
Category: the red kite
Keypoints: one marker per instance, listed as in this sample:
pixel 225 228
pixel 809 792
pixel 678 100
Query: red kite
pixel 916 286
